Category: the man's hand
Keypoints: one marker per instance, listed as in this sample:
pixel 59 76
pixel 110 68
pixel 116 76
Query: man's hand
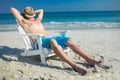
pixel 39 11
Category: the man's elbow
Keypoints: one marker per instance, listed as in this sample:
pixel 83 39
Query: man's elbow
pixel 12 9
pixel 41 10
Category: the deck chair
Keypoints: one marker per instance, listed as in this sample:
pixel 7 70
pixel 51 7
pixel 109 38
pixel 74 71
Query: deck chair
pixel 32 50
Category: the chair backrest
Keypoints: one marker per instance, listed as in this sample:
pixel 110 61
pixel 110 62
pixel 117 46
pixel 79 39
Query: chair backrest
pixel 27 40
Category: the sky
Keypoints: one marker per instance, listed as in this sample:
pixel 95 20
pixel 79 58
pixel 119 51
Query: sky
pixel 61 5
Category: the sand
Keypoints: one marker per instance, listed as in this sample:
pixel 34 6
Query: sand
pixel 97 42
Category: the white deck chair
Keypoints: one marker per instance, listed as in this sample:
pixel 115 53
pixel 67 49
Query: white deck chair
pixel 31 49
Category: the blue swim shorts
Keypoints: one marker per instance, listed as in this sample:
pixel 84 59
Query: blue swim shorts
pixel 61 40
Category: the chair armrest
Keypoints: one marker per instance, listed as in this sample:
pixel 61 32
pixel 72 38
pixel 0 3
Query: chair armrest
pixel 63 33
pixel 34 35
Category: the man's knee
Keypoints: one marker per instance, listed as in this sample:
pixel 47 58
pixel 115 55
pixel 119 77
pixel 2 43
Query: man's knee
pixel 53 43
pixel 69 42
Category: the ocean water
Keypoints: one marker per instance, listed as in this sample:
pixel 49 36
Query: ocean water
pixel 69 20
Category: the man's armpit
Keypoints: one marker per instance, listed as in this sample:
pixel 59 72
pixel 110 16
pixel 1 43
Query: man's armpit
pixel 25 21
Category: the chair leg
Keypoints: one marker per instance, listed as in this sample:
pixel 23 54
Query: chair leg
pixel 43 59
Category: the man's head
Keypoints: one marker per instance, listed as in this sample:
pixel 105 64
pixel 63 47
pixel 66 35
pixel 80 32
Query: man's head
pixel 29 12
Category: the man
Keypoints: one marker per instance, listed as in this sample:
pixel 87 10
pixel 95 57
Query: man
pixel 34 26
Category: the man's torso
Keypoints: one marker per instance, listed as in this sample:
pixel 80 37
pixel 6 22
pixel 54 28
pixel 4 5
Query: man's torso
pixel 33 27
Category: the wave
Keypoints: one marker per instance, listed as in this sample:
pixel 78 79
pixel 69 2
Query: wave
pixel 54 24
pixel 68 25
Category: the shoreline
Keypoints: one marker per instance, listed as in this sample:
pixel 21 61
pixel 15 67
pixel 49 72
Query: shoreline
pixel 97 42
pixel 100 28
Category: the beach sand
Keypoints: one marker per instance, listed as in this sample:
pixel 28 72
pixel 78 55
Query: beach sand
pixel 97 42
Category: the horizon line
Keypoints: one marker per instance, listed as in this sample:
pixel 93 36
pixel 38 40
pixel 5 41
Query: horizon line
pixel 74 11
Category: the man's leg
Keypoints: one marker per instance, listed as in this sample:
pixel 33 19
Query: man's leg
pixel 82 53
pixel 61 54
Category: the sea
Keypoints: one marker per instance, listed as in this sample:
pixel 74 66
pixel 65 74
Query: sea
pixel 69 20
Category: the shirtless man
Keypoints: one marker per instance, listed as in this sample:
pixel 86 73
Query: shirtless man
pixel 34 26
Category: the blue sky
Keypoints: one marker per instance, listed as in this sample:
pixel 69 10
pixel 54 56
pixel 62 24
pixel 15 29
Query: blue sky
pixel 61 5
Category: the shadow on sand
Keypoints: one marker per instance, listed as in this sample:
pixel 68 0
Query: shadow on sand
pixel 13 54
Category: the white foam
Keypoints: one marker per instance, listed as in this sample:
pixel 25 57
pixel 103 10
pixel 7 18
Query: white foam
pixel 53 24
pixel 81 24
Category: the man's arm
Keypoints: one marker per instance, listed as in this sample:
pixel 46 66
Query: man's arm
pixel 40 14
pixel 17 14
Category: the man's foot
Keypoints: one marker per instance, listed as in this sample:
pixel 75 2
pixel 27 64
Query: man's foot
pixel 80 70
pixel 93 62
